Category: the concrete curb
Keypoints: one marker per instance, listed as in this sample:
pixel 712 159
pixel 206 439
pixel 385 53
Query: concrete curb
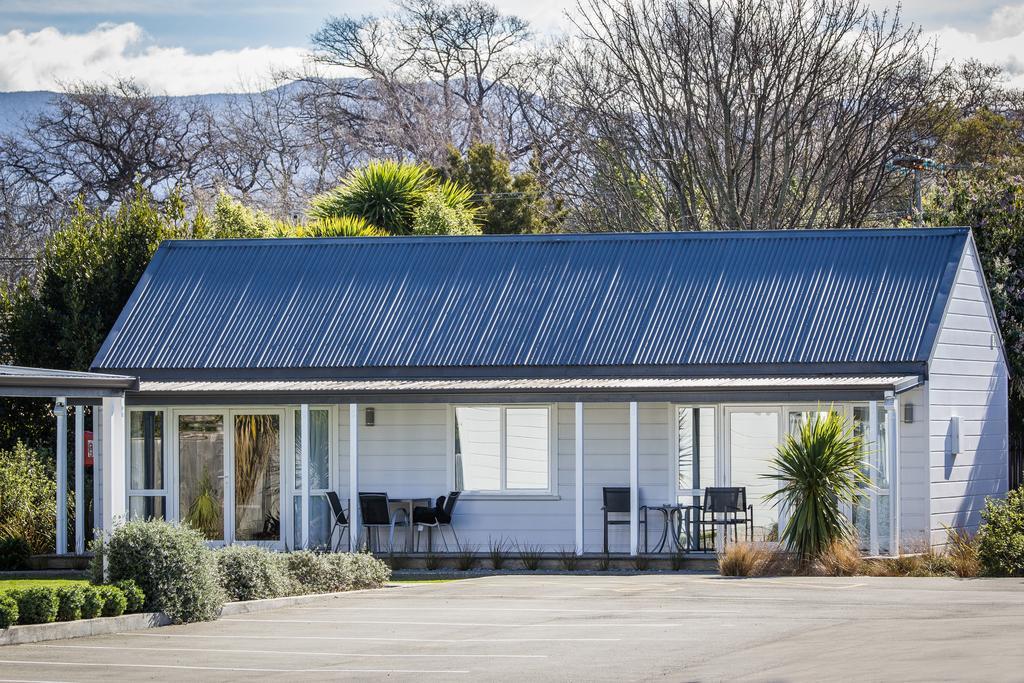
pixel 60 630
pixel 231 609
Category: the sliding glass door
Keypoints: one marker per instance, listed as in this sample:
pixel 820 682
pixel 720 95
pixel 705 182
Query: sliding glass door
pixel 256 465
pixel 752 435
pixel 201 473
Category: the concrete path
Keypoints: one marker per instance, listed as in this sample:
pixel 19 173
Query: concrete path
pixel 581 628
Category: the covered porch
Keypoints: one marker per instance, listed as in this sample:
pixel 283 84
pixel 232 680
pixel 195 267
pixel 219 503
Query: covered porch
pixel 252 461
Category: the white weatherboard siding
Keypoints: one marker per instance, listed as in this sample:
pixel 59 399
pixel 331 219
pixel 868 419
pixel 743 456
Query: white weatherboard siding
pixel 968 379
pixel 914 469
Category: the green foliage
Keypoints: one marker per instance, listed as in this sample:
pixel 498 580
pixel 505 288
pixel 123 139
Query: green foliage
pixel 1001 536
pixel 36 605
pixel 114 601
pixel 819 470
pixel 171 564
pixel 250 573
pixel 367 570
pixel 135 599
pixel 92 602
pixel 232 219
pixel 507 202
pixel 28 501
pixel 69 602
pixel 14 550
pixel 337 226
pixel 310 572
pixel 387 194
pixel 8 611
pixel 991 202
pixel 437 216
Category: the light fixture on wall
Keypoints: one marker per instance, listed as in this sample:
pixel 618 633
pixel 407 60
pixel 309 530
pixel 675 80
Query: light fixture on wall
pixel 908 413
pixel 371 417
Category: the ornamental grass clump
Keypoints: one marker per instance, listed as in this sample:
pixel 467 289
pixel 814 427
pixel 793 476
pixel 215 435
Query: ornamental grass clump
pixel 819 470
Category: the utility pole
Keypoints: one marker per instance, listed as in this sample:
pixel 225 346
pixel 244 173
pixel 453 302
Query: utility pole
pixel 917 164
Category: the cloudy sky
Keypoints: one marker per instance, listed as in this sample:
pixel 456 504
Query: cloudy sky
pixel 199 46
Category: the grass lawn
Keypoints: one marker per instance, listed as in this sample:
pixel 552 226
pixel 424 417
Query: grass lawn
pixel 15 584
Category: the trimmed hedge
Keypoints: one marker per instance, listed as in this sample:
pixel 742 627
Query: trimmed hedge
pixel 133 595
pixel 36 605
pixel 172 565
pixel 114 602
pixel 92 602
pixel 69 603
pixel 249 572
pixel 15 552
pixel 8 611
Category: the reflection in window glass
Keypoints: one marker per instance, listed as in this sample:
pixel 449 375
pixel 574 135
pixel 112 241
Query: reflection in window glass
pixel 478 448
pixel 696 430
pixel 257 446
pixel 201 465
pixel 753 438
pixel 320 521
pixel 526 449
pixel 146 507
pixel 319 449
pixel 146 453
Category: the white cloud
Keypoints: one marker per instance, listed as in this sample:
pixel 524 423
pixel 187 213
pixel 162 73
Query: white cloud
pixel 43 59
pixel 1006 51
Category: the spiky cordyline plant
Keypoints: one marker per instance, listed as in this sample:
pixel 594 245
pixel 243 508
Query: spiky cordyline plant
pixel 819 470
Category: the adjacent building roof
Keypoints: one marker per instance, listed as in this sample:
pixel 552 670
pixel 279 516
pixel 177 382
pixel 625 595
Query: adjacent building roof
pixel 43 382
pixel 527 305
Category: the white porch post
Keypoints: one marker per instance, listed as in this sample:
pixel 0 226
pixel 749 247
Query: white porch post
pixel 304 474
pixel 79 480
pixel 113 460
pixel 634 479
pixel 97 467
pixel 579 478
pixel 60 409
pixel 353 476
pixel 873 494
pixel 893 443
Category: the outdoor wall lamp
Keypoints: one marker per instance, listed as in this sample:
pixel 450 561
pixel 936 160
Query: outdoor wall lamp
pixel 908 413
pixel 371 417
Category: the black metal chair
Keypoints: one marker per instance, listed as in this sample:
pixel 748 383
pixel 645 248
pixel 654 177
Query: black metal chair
pixel 617 501
pixel 375 514
pixel 726 507
pixel 340 520
pixel 437 517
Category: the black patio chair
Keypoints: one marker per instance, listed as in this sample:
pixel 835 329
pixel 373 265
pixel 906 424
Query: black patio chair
pixel 616 502
pixel 375 514
pixel 340 520
pixel 437 517
pixel 726 507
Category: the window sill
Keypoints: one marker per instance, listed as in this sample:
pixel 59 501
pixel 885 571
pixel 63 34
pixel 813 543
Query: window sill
pixel 467 495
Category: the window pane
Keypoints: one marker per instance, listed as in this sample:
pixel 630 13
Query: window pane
pixel 696 448
pixel 526 448
pixel 319 449
pixel 753 440
pixel 201 463
pixel 146 507
pixel 147 450
pixel 320 521
pixel 257 447
pixel 477 449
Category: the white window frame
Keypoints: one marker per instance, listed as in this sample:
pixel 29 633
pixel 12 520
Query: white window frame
pixel 165 452
pixel 550 493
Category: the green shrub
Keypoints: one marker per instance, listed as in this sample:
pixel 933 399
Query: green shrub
pixel 36 605
pixel 114 602
pixel 135 599
pixel 310 572
pixel 14 553
pixel 1001 536
pixel 368 571
pixel 8 611
pixel 92 602
pixel 171 564
pixel 250 573
pixel 69 603
pixel 28 498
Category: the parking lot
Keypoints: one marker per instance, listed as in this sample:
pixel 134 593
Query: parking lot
pixel 602 627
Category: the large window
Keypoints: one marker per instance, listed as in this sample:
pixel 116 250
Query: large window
pixel 147 495
pixel 503 449
pixel 320 520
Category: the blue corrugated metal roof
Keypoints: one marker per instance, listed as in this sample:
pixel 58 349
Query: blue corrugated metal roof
pixel 647 300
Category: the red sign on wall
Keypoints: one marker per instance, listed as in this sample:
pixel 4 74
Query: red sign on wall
pixel 88 449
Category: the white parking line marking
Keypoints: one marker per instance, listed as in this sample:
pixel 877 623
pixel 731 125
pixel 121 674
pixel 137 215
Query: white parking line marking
pixel 600 624
pixel 384 639
pixel 572 610
pixel 121 648
pixel 29 680
pixel 34 662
